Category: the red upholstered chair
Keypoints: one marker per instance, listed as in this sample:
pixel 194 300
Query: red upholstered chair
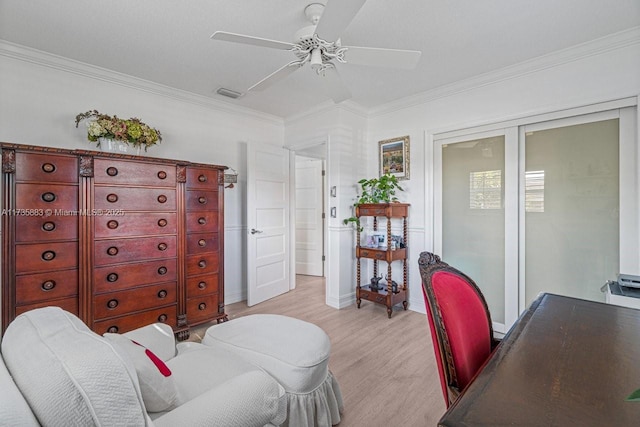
pixel 460 324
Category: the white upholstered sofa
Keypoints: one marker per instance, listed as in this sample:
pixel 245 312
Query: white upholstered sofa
pixel 56 372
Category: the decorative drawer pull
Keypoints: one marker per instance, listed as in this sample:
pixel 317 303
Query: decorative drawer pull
pixel 202 220
pixel 379 298
pixel 162 222
pixel 162 198
pixel 48 255
pixel 162 175
pixel 113 303
pixel 162 271
pixel 379 256
pixel 113 224
pixel 48 167
pixel 202 306
pixel 202 243
pixel 48 285
pixel 113 329
pixel 162 318
pixel 202 285
pixel 112 277
pixel 162 294
pixel 49 226
pixel 162 246
pixel 202 178
pixel 48 197
pixel 202 263
pixel 112 198
pixel 113 251
pixel 202 200
pixel 111 171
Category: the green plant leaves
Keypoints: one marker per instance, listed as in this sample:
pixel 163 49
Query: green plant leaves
pixel 376 190
pixel 634 397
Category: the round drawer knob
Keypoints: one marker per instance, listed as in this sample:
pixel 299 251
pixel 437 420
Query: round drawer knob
pixel 162 318
pixel 47 285
pixel 162 198
pixel 49 226
pixel 48 255
pixel 111 171
pixel 112 303
pixel 202 306
pixel 48 197
pixel 202 220
pixel 162 222
pixel 113 251
pixel 113 329
pixel 112 198
pixel 202 178
pixel 48 167
pixel 113 224
pixel 202 285
pixel 112 277
pixel 162 271
pixel 162 294
pixel 162 246
pixel 162 175
pixel 202 200
pixel 202 243
pixel 202 263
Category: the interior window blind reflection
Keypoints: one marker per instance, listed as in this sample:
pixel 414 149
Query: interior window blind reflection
pixel 534 191
pixel 485 189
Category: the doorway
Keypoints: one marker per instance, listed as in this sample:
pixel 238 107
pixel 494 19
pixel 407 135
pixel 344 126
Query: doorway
pixel 309 216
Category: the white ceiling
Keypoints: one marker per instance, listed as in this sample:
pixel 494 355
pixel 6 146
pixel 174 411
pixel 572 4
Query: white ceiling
pixel 167 41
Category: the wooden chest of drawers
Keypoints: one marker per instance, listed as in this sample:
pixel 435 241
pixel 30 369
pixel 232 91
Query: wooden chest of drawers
pixel 121 241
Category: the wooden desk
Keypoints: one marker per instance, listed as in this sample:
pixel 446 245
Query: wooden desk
pixel 566 362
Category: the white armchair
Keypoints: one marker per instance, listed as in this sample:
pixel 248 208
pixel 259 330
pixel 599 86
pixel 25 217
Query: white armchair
pixel 60 373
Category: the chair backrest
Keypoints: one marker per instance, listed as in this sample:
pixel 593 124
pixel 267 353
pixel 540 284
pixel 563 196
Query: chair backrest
pixel 459 321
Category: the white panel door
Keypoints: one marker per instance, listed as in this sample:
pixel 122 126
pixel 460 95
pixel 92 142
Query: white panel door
pixel 309 221
pixel 268 223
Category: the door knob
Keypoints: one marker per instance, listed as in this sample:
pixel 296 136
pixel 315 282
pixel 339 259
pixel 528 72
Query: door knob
pixel 254 231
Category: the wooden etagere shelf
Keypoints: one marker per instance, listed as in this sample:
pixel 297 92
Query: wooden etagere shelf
pixel 388 295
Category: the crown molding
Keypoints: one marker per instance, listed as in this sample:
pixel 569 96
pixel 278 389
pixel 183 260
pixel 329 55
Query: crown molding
pixel 49 60
pixel 574 53
pixel 327 106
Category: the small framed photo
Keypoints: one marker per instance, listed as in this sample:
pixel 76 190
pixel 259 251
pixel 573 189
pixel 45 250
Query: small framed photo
pixel 394 156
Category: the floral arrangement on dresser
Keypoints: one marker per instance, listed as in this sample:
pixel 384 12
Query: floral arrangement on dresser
pixel 129 131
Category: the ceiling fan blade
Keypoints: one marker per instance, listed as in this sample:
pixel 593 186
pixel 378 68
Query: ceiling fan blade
pixel 337 15
pixel 276 76
pixel 334 86
pixel 379 57
pixel 255 41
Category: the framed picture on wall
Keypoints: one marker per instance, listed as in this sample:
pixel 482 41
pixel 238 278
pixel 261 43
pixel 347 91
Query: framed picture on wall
pixel 394 156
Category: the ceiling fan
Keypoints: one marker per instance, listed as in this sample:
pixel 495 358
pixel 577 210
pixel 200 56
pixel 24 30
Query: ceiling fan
pixel 319 45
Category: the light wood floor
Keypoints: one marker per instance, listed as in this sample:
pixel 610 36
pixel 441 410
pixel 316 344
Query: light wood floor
pixel 385 367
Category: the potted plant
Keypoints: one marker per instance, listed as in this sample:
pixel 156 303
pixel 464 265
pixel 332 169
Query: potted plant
pixel 375 190
pixel 133 131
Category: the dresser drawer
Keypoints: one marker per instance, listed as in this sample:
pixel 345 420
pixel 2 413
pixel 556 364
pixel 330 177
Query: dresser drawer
pixel 123 302
pixel 123 324
pixel 45 228
pixel 202 264
pixel 200 243
pixel 116 251
pixel 135 224
pixel 202 221
pixel 46 286
pixel 39 257
pixel 202 308
pixel 202 178
pixel 67 304
pixel 202 285
pixel 111 171
pixel 47 197
pixel 125 276
pixel 201 200
pixel 135 199
pixel 46 167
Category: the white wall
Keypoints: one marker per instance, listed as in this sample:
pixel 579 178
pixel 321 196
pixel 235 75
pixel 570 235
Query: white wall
pixel 603 70
pixel 41 95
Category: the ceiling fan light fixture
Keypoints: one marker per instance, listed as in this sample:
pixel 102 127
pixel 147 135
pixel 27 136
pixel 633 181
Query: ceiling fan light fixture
pixel 229 93
pixel 316 59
